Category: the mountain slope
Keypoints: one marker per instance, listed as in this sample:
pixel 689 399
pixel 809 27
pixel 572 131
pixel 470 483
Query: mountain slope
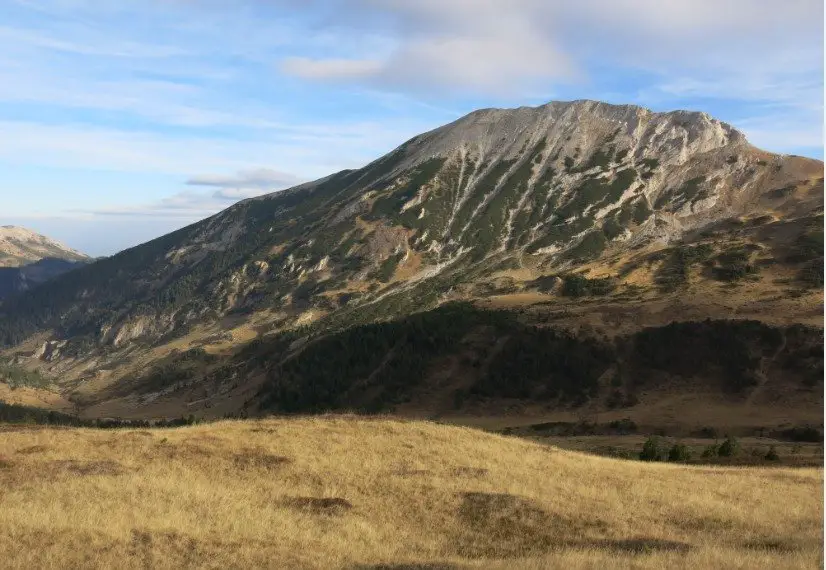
pixel 18 279
pixel 371 493
pixel 649 210
pixel 28 259
pixel 19 246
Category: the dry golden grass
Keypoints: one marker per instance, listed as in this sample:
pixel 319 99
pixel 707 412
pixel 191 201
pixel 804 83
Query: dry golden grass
pixel 345 492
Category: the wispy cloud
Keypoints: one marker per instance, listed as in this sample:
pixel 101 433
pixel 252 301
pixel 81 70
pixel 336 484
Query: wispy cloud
pixel 222 101
pixel 752 53
pixel 186 206
pixel 246 183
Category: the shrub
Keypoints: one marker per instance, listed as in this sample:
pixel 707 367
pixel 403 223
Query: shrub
pixel 734 265
pixel 729 448
pixel 679 452
pixel 623 426
pixel 580 286
pixel 615 400
pixel 772 454
pixel 711 451
pixel 709 432
pixel 459 396
pixel 631 400
pixel 803 433
pixel 651 450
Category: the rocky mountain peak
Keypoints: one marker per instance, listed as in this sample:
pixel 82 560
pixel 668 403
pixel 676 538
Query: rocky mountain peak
pixel 576 127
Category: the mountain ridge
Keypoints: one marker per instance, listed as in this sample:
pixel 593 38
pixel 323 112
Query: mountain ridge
pixel 28 259
pixel 20 246
pixel 497 203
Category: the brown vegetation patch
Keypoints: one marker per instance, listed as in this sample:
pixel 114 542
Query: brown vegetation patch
pixel 258 459
pixel 504 525
pixel 499 524
pixel 32 449
pixel 472 472
pixel 141 433
pixel 702 524
pixel 640 545
pixel 164 548
pixel 182 452
pixel 320 505
pixel 77 467
pixel 409 471
pixel 772 545
pixel 409 566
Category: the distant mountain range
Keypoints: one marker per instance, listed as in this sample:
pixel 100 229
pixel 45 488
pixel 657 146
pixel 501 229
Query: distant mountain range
pixel 28 259
pixel 594 219
pixel 20 246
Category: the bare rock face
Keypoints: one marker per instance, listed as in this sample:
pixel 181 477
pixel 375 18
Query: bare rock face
pixel 584 125
pixel 138 327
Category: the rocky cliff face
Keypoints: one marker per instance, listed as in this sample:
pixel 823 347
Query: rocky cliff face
pixel 551 189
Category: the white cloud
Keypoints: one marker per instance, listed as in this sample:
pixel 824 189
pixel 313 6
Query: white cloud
pixel 187 206
pixel 457 44
pixel 489 45
pixel 676 52
pixel 261 178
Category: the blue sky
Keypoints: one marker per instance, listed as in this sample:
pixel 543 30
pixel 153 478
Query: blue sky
pixel 124 120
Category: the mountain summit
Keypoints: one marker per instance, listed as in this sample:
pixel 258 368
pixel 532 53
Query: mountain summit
pixel 510 207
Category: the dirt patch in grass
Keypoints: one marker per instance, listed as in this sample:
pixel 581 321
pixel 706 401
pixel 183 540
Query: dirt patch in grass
pixel 320 505
pixel 504 525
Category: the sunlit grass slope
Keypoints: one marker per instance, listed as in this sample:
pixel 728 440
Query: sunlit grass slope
pixel 346 492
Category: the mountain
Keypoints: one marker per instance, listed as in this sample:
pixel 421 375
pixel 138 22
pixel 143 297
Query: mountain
pixel 592 220
pixel 28 259
pixel 19 246
pixel 18 279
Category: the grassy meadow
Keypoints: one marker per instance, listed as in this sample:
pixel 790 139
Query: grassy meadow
pixel 370 493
